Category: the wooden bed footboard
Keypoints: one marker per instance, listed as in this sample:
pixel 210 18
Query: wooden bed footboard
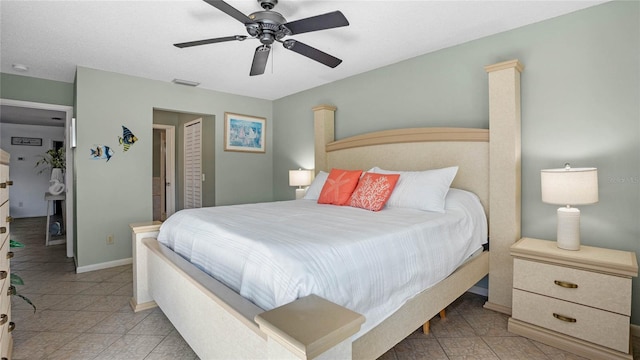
pixel 219 324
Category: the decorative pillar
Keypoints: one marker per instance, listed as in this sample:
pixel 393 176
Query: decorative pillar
pixel 504 179
pixel 324 132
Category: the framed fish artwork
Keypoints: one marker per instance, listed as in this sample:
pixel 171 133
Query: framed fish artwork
pixel 244 133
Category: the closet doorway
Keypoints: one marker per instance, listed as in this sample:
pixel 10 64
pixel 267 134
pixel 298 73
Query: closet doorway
pixel 194 162
pixel 164 169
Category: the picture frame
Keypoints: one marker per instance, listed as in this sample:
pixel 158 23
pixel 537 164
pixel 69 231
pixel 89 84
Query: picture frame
pixel 244 133
pixel 28 141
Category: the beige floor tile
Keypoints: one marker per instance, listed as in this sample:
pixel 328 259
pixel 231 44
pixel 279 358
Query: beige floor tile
pixel 154 324
pixel 514 348
pixel 489 324
pixel 38 345
pixel 172 347
pixel 119 323
pixel 453 325
pixel 556 354
pixel 419 349
pixel 466 346
pixel 85 346
pixel 131 347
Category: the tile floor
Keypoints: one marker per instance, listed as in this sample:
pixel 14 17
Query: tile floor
pixel 87 316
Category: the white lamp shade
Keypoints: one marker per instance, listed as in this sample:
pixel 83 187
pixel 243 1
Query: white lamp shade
pixel 299 177
pixel 569 186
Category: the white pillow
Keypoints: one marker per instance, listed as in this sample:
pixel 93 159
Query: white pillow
pixel 422 190
pixel 313 192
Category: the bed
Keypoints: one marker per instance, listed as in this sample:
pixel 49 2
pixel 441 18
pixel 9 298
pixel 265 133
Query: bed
pixel 219 322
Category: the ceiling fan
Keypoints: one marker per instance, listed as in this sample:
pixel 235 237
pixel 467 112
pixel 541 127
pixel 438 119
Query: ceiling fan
pixel 269 26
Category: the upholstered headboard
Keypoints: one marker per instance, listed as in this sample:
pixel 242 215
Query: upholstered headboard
pixel 418 149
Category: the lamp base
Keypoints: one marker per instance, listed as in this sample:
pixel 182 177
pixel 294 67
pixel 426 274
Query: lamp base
pixel 568 228
pixel 300 193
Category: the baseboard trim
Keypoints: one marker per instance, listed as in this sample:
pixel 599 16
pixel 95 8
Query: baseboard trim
pixel 496 307
pixel 141 307
pixel 104 265
pixel 478 290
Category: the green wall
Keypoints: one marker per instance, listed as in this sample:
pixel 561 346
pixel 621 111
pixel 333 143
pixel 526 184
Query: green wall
pixel 32 89
pixel 580 104
pixel 111 195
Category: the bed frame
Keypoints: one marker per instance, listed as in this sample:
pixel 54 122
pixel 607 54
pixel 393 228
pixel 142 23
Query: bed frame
pixel 220 324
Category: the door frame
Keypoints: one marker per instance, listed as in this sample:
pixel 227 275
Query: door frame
pixel 69 161
pixel 170 165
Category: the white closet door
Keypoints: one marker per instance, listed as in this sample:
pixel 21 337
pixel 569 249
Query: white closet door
pixel 193 164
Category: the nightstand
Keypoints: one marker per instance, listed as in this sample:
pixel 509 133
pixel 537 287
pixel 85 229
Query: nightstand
pixel 579 301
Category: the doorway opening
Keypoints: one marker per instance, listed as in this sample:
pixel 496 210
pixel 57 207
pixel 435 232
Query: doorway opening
pixel 164 169
pixel 69 134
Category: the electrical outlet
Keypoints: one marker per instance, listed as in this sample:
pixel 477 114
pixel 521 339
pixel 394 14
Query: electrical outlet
pixel 110 239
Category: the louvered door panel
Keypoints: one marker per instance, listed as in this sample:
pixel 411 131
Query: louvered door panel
pixel 193 164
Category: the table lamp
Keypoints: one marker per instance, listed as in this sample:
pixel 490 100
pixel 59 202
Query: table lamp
pixel 299 178
pixel 569 186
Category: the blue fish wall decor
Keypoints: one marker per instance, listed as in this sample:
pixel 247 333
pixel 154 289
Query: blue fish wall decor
pixel 127 139
pixel 101 152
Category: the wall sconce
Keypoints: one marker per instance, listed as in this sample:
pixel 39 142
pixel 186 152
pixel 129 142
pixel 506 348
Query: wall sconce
pixel 569 186
pixel 300 178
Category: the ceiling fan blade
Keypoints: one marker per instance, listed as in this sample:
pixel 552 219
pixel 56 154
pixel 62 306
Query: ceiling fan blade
pixel 312 53
pixel 320 22
pixel 260 60
pixel 210 41
pixel 230 10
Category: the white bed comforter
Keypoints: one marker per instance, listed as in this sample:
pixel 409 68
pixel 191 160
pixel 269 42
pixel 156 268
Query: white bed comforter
pixel 371 263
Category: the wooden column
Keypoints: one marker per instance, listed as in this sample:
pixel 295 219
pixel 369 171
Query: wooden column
pixel 504 179
pixel 324 130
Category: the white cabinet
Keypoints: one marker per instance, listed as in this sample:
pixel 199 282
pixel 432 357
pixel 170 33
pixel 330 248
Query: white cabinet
pixel 6 326
pixel 579 301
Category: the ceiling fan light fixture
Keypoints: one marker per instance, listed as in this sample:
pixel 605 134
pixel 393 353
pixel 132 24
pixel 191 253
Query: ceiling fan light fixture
pixel 185 82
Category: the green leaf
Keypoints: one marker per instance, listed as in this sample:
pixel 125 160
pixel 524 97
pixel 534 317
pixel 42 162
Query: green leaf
pixel 16 280
pixel 28 301
pixel 15 244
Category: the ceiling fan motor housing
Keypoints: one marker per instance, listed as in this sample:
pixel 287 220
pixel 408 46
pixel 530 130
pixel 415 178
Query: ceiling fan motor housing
pixel 267 26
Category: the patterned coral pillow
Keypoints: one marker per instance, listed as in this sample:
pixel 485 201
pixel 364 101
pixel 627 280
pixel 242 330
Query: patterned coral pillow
pixel 339 186
pixel 373 191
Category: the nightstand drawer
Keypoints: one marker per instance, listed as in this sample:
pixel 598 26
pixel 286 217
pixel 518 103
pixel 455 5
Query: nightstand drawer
pixel 593 325
pixel 602 291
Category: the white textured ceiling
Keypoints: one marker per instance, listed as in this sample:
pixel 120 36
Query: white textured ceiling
pixel 136 37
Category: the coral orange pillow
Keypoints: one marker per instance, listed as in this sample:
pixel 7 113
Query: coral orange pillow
pixel 373 191
pixel 339 186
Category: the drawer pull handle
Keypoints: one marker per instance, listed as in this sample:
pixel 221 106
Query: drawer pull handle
pixel 3 230
pixel 11 327
pixel 564 318
pixel 3 319
pixel 565 284
pixel 11 291
pixel 3 274
pixel 9 254
pixel 9 219
pixel 9 182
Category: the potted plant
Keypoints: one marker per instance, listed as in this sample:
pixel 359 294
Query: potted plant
pixel 54 160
